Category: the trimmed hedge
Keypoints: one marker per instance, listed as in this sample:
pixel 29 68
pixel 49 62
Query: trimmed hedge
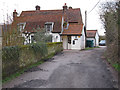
pixel 16 58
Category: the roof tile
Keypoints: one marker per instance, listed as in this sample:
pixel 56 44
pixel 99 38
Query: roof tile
pixel 91 33
pixel 39 17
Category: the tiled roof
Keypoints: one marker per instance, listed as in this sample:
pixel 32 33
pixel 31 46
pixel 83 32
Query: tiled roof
pixel 91 33
pixel 74 15
pixel 35 20
pixel 73 29
pixel 39 17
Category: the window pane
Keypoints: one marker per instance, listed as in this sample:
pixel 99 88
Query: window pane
pixel 48 27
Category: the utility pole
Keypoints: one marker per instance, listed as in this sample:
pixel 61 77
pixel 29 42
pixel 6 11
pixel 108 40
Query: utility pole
pixel 85 28
pixel 86 20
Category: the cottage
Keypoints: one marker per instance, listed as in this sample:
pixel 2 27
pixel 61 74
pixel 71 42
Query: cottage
pixel 65 25
pixel 93 35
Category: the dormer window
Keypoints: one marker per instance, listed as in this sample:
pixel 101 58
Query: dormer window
pixel 66 25
pixel 21 26
pixel 49 26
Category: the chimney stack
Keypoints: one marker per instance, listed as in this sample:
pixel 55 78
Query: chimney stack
pixel 37 7
pixel 14 14
pixel 70 7
pixel 65 7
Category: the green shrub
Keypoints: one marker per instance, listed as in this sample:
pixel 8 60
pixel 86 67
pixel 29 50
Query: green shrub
pixel 10 59
pixel 40 48
pixel 116 66
pixel 17 58
pixel 41 36
pixel 10 53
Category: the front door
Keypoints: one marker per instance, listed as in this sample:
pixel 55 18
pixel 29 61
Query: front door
pixel 69 42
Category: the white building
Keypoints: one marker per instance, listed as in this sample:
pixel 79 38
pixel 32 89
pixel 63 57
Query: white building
pixel 93 35
pixel 74 38
pixel 65 25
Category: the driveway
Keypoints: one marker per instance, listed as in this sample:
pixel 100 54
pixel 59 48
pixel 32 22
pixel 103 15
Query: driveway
pixel 69 69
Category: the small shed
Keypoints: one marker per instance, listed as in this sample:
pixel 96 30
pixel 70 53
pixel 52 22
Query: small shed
pixel 93 36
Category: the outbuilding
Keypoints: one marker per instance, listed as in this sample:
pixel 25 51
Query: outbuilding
pixel 93 36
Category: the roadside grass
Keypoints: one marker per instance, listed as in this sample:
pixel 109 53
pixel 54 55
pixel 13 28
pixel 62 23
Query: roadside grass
pixel 115 65
pixel 20 72
pixel 89 48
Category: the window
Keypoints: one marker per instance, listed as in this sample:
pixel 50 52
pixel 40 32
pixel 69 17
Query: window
pixel 21 26
pixel 73 42
pixel 32 39
pixel 49 26
pixel 66 25
pixel 75 37
pixel 69 39
pixel 56 37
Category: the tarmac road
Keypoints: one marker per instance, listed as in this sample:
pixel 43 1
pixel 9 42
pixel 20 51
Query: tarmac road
pixel 69 69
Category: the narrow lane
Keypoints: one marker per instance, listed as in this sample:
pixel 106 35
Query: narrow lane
pixel 70 69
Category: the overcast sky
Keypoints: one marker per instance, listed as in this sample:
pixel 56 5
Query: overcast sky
pixel 93 21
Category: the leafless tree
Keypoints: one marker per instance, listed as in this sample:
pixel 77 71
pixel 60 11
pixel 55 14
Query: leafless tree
pixel 109 18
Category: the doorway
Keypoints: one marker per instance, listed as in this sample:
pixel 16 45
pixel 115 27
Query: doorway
pixel 69 42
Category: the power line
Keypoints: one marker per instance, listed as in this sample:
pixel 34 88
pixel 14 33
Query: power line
pixel 94 7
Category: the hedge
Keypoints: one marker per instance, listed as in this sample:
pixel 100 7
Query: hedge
pixel 15 58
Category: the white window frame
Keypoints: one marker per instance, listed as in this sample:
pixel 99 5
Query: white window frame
pixel 76 37
pixel 51 26
pixel 21 26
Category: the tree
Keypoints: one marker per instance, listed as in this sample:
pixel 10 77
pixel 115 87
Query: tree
pixel 42 36
pixel 11 36
pixel 109 18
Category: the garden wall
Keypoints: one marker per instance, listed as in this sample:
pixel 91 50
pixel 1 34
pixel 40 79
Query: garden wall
pixel 16 58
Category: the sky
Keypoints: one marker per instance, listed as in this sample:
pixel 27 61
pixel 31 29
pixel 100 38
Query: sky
pixel 93 22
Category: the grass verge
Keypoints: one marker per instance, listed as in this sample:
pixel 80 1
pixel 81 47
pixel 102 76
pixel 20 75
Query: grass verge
pixel 115 65
pixel 18 73
pixel 89 48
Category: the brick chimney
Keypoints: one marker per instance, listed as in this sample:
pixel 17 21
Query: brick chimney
pixel 70 7
pixel 65 7
pixel 37 7
pixel 14 14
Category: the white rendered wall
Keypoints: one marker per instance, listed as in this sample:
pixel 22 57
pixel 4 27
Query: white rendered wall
pixel 56 37
pixel 27 38
pixel 83 40
pixel 65 42
pixel 77 44
pixel 80 43
pixel 97 39
pixel 69 46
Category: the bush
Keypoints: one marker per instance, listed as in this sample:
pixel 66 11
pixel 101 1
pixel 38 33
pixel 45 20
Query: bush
pixel 40 48
pixel 10 59
pixel 16 58
pixel 42 36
